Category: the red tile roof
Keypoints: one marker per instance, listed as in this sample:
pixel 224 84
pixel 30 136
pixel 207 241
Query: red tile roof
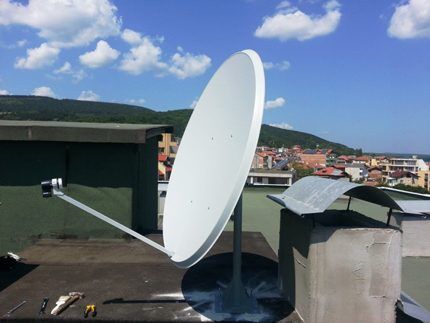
pixel 339 166
pixel 330 171
pixel 162 157
pixel 371 183
pixel 362 158
pixel 343 157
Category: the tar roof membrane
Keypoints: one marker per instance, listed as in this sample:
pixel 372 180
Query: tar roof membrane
pixel 314 194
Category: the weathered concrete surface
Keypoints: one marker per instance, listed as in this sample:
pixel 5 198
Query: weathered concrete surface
pixel 79 131
pixel 130 282
pixel 416 234
pixel 118 180
pixel 330 273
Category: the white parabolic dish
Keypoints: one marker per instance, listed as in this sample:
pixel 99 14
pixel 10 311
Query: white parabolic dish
pixel 214 158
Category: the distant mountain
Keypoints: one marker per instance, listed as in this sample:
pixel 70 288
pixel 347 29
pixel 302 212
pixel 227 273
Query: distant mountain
pixel 49 109
pixel 277 137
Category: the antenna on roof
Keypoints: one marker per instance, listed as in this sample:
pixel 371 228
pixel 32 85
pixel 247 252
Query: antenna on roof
pixel 227 118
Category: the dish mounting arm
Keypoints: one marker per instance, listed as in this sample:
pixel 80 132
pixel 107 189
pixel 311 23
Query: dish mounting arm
pixel 54 188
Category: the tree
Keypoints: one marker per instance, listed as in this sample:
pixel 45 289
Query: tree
pixel 302 170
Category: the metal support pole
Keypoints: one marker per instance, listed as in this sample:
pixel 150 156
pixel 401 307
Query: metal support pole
pixel 389 217
pixel 235 299
pixel 118 225
pixel 237 249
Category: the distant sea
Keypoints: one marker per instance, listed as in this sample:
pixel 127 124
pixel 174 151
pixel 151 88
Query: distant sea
pixel 425 157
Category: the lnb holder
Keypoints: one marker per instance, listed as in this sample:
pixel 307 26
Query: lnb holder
pixel 50 187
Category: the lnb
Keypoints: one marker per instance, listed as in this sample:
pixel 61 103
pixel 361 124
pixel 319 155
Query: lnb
pixel 49 186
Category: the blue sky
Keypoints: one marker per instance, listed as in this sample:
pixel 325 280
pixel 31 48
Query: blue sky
pixel 355 72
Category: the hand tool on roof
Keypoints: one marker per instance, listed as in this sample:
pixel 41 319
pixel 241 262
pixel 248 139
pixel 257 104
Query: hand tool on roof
pixel 90 308
pixel 14 309
pixel 43 306
pixel 14 256
pixel 65 301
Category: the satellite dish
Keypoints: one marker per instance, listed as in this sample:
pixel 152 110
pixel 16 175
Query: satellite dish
pixel 211 165
pixel 214 158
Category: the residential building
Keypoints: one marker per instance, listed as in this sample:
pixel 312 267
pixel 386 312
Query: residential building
pixel 365 160
pixel 368 182
pixel 270 177
pixel 313 158
pixel 331 160
pixel 424 179
pixel 377 160
pixel 344 159
pixel 332 172
pixel 262 160
pixel 357 172
pixel 164 167
pixel 403 177
pixel 375 174
pixel 394 164
pixel 168 145
pixel 282 164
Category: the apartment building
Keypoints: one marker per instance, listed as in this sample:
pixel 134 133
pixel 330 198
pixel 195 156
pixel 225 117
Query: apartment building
pixel 395 164
pixel 270 177
pixel 424 179
pixel 357 172
pixel 168 145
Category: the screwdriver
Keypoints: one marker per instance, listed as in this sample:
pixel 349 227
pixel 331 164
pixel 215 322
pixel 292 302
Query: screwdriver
pixel 14 309
pixel 43 306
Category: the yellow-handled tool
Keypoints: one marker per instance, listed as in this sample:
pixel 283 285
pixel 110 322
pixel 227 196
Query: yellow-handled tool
pixel 90 308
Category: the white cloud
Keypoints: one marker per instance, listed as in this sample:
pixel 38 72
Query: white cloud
pixel 132 37
pixel 77 75
pixel 411 20
pixel 43 91
pixel 140 102
pixel 186 65
pixel 273 104
pixel 21 43
pixel 295 24
pixel 281 66
pixel 64 23
pixel 331 5
pixel 88 96
pixel 65 69
pixel 102 55
pixel 4 92
pixel 38 57
pixel 283 4
pixel 144 57
pixel 282 125
pixel 17 44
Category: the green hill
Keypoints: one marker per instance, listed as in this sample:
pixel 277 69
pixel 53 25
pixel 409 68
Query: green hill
pixel 44 108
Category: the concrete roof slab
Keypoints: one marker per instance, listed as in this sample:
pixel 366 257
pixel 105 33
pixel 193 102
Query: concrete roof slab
pixel 79 131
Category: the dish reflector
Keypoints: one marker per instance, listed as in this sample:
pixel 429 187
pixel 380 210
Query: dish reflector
pixel 214 158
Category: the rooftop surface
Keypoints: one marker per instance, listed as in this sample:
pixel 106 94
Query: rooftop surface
pixel 129 281
pixel 79 131
pixel 259 214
